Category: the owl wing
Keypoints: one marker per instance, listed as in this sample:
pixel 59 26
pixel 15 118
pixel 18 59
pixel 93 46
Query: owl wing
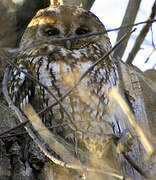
pixel 21 87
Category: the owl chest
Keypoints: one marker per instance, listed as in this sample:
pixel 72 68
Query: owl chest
pixel 60 76
pixel 86 104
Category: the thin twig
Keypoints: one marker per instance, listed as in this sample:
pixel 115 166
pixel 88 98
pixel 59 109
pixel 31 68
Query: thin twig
pixel 149 56
pixel 15 51
pixel 47 136
pixel 41 84
pixel 69 91
pixel 132 25
pixel 23 119
pixel 88 70
pixel 153 44
pixel 14 128
pixel 141 36
pixel 2 135
pixel 106 55
pixel 57 101
pixel 129 18
pixel 11 135
pixel 57 147
pixel 154 47
pixel 42 146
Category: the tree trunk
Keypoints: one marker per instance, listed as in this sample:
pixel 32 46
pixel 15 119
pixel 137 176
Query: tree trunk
pixel 129 18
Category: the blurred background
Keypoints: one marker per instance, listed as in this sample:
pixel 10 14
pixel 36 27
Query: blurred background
pixel 112 12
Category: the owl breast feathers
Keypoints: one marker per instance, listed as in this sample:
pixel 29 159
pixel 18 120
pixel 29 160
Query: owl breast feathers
pixel 59 66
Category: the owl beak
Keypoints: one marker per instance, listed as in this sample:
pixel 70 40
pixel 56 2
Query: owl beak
pixel 68 44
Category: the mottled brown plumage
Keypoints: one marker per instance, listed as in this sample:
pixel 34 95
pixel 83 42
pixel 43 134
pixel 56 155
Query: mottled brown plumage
pixel 60 68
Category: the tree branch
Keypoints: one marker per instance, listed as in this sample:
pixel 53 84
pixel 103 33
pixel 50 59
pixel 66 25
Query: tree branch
pixel 141 36
pixel 129 18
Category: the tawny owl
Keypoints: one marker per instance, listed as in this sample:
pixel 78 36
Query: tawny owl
pixel 59 65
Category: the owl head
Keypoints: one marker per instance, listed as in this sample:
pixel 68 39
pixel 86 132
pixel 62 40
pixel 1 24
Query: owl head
pixel 65 22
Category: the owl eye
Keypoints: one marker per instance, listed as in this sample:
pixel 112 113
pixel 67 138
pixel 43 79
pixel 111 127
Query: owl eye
pixel 81 31
pixel 52 32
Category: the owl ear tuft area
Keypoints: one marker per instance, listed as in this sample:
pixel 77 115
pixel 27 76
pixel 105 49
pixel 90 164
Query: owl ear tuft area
pixel 55 3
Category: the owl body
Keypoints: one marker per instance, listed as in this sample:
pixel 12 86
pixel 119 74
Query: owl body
pixel 59 66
